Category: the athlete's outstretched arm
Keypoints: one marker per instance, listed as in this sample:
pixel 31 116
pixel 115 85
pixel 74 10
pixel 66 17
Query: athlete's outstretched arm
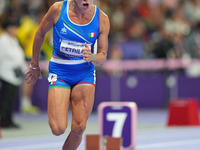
pixel 102 46
pixel 46 24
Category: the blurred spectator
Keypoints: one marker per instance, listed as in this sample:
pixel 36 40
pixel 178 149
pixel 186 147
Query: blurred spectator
pixel 28 26
pixel 117 22
pixel 116 54
pixel 144 9
pixel 192 11
pixel 135 24
pixel 170 4
pixel 154 21
pixel 133 46
pixel 2 6
pixel 176 23
pixel 163 46
pixel 192 42
pixel 26 105
pixel 12 69
pixel 177 27
pixel 30 14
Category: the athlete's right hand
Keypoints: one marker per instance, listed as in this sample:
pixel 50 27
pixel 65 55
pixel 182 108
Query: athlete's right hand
pixel 32 75
pixel 87 54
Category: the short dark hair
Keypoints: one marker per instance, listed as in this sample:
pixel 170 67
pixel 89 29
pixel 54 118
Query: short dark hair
pixel 10 22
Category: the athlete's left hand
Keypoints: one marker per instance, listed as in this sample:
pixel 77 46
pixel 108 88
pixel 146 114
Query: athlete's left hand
pixel 33 74
pixel 87 54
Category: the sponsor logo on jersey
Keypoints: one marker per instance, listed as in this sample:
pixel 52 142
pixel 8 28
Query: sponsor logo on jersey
pixel 52 78
pixel 63 30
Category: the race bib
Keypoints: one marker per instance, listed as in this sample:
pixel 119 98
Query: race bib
pixel 72 49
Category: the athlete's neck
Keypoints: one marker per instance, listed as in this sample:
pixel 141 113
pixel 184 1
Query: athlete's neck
pixel 80 11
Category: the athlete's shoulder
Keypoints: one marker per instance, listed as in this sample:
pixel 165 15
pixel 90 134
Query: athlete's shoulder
pixel 103 16
pixel 54 11
pixel 103 13
pixel 104 21
pixel 56 6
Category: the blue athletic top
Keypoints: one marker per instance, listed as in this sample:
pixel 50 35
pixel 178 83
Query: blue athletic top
pixel 69 38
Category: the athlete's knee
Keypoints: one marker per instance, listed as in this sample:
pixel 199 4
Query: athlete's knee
pixel 78 128
pixel 57 129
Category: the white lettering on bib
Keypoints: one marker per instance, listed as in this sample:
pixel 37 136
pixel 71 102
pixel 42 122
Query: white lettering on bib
pixel 73 49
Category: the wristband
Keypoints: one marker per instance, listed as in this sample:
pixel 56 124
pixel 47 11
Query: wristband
pixel 92 60
pixel 93 57
pixel 34 68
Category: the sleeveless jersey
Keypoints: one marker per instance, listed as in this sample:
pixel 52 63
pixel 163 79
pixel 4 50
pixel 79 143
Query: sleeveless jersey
pixel 69 38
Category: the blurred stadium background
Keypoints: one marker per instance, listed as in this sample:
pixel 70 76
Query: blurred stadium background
pixel 153 57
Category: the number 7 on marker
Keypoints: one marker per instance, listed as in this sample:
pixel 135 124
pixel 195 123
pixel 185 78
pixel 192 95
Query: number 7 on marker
pixel 119 119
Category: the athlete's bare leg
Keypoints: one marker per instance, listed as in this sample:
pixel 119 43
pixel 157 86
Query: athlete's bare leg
pixel 82 99
pixel 58 104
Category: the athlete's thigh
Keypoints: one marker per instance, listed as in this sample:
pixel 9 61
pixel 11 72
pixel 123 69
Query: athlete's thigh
pixel 82 100
pixel 58 104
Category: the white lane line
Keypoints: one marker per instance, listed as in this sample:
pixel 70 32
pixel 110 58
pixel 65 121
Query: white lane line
pixel 168 135
pixel 169 144
pixel 35 146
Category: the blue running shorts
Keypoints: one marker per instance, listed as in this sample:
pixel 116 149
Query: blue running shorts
pixel 68 73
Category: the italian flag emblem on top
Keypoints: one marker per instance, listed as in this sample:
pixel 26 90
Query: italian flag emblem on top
pixel 91 35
